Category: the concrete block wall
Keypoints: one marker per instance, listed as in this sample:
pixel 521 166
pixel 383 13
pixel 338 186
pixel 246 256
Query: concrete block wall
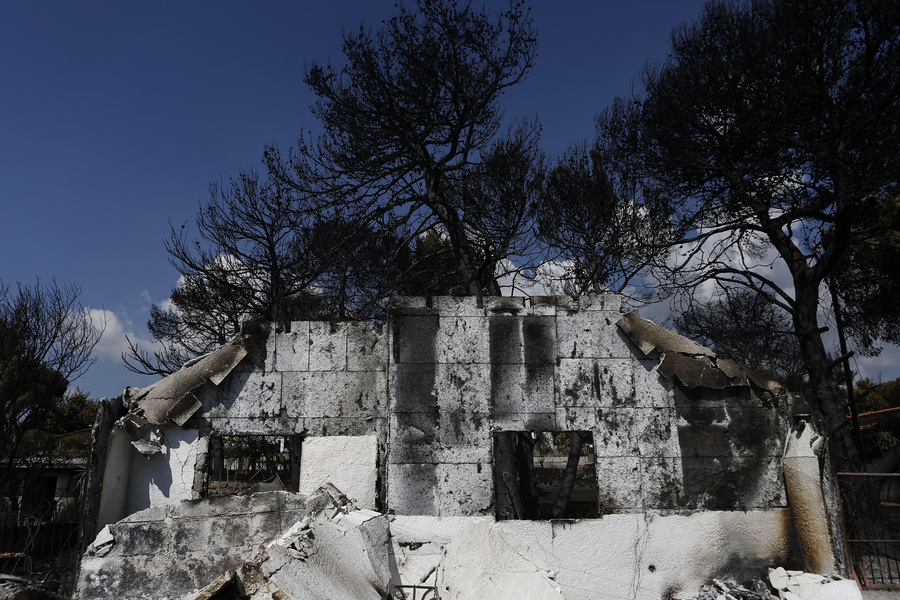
pixel 459 371
pixel 446 373
pixel 315 378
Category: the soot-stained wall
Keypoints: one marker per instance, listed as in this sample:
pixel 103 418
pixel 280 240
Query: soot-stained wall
pixel 434 382
pixel 459 372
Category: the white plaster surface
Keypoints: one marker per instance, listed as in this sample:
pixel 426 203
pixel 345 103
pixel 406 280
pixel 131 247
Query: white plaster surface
pixel 116 477
pixel 636 556
pixel 348 462
pixel 165 478
pixel 486 562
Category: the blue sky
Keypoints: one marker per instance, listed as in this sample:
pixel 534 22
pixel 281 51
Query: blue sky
pixel 116 116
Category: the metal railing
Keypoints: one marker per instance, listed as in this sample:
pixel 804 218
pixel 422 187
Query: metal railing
pixel 424 589
pixel 874 537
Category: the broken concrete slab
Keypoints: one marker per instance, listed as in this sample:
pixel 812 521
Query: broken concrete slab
pixel 695 366
pixel 170 399
pixel 341 558
pixel 797 585
pixel 168 552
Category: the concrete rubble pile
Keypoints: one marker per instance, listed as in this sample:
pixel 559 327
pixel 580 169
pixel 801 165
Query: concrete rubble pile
pixel 785 585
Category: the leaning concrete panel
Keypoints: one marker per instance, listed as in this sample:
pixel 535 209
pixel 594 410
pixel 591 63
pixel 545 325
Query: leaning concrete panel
pixel 170 552
pixel 348 462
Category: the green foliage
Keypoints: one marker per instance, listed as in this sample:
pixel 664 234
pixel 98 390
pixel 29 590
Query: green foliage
pixel 871 396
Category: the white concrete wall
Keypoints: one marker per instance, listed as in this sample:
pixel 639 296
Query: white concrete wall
pixel 348 462
pixel 116 479
pixel 164 478
pixel 642 557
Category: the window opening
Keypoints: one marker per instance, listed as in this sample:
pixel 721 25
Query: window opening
pixel 545 475
pixel 255 463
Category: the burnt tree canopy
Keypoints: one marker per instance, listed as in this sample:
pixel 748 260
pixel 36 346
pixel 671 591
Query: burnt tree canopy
pixel 260 252
pixel 766 133
pixel 593 219
pixel 413 130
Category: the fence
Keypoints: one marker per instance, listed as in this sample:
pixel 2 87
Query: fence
pixel 874 527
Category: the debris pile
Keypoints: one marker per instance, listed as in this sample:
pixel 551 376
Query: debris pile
pixel 797 585
pixel 787 585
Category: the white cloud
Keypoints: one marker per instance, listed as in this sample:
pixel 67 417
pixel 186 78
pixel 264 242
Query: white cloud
pixel 113 343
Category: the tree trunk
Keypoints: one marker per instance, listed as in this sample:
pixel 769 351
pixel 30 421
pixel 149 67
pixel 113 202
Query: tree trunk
pixel 821 378
pixel 507 495
pixel 568 482
pixel 527 480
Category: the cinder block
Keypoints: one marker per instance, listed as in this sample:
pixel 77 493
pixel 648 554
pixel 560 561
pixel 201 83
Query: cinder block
pixel 504 305
pixel 462 340
pixel 366 347
pixel 413 438
pixel 616 433
pixel 611 303
pixel 412 387
pixel 464 438
pixel 505 339
pixel 584 335
pixel 601 383
pixel 323 426
pixel 657 432
pixel 459 306
pixel 244 395
pixel 650 388
pixel 539 340
pixel 463 387
pixel 521 421
pixel 662 482
pixel 465 489
pixel 522 388
pixel 343 393
pixel 578 418
pixel 327 346
pixel 414 338
pixel 412 489
pixel 619 484
pixel 292 348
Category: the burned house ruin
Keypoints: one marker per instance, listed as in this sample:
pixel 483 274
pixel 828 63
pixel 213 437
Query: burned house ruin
pixel 416 426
